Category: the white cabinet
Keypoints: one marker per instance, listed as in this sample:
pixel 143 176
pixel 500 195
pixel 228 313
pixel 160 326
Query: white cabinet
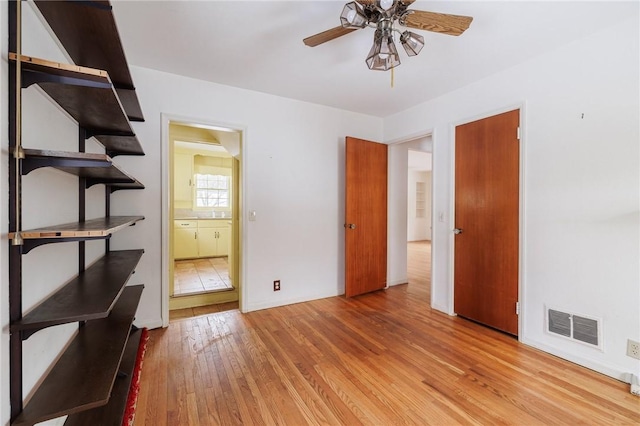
pixel 185 242
pixel 224 235
pixel 207 242
pixel 183 177
pixel 213 236
pixel 200 238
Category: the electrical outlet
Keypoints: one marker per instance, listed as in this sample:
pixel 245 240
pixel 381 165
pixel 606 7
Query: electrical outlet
pixel 633 349
pixel 276 285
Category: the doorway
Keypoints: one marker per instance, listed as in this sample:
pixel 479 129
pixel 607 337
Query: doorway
pixel 203 243
pixel 419 220
pixel 402 211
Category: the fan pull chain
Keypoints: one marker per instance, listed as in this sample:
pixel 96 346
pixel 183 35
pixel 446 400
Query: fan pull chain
pixel 392 75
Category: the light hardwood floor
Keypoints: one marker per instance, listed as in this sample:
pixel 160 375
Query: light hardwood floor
pixel 380 359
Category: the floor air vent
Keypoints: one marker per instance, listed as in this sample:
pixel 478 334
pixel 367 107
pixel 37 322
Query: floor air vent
pixel 574 327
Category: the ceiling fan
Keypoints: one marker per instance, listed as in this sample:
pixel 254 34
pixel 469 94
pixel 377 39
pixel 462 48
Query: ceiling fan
pixel 384 15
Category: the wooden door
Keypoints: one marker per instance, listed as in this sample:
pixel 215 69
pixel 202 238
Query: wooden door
pixel 487 213
pixel 365 217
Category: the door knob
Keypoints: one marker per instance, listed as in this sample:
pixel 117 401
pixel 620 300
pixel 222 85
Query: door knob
pixel 350 225
pixel 457 231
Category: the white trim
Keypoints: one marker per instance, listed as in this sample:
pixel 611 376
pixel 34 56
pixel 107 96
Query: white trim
pixel 611 371
pixel 452 217
pixel 271 304
pixel 433 217
pixel 166 205
pixel 397 282
pixel 521 107
pixel 412 137
pixel 522 235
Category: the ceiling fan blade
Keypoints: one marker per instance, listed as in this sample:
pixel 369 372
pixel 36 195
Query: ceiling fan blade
pixel 326 36
pixel 436 22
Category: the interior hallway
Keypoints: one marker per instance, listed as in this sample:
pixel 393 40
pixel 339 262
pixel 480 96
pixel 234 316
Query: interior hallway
pixel 419 266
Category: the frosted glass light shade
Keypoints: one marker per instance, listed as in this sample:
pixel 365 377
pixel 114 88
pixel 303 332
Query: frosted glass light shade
pixel 412 42
pixel 383 54
pixel 353 16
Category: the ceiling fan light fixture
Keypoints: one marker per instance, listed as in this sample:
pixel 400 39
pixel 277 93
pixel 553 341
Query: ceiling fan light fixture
pixel 353 16
pixel 412 42
pixel 383 54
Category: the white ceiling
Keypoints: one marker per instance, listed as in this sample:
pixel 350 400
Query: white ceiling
pixel 257 45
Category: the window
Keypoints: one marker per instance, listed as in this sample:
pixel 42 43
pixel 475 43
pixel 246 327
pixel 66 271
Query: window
pixel 212 190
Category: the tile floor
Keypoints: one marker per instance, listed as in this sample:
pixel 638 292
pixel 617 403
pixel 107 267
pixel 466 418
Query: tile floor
pixel 195 276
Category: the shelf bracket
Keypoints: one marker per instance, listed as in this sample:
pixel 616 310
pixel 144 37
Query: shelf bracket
pixel 29 244
pixel 18 153
pixel 90 182
pixel 31 164
pixel 116 187
pixel 30 77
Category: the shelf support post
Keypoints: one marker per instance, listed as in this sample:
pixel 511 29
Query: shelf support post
pixel 15 213
pixel 82 184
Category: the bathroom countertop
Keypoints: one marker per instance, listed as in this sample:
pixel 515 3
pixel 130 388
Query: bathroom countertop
pixel 201 218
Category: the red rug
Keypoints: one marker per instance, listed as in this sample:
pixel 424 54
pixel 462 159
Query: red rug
pixel 132 399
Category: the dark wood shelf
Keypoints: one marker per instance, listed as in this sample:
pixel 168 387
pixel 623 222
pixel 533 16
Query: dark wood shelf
pixel 96 168
pixel 91 295
pixel 88 96
pixel 95 229
pixel 85 373
pixel 101 227
pixel 89 34
pixel 112 414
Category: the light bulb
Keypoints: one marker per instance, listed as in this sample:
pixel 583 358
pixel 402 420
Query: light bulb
pixel 386 4
pixel 350 15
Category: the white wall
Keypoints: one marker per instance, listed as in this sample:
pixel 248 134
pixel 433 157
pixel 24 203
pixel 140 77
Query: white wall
pixel 580 221
pixel 418 227
pixel 398 170
pixel 293 157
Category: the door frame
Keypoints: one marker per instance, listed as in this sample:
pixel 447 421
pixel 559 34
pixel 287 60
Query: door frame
pixel 434 244
pixel 521 207
pixel 166 215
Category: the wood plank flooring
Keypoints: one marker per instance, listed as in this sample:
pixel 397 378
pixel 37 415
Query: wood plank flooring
pixel 380 359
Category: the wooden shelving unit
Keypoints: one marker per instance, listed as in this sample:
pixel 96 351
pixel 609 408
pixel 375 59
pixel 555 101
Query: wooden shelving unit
pixel 88 96
pixel 95 168
pixel 90 380
pixel 101 227
pixel 91 295
pixel 83 377
pixel 80 27
pixel 112 412
pixel 94 229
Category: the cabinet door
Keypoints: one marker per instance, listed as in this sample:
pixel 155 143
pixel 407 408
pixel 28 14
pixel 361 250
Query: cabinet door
pixel 182 177
pixel 207 242
pixel 185 244
pixel 223 241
